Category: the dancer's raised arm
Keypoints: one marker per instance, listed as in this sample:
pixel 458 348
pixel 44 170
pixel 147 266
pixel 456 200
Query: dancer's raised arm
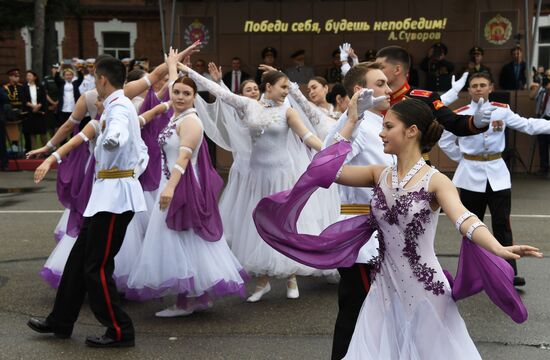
pixel 134 88
pixel 238 102
pixel 64 130
pixel 469 225
pixel 90 131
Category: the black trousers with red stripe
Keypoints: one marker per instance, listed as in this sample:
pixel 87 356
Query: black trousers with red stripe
pixel 89 270
pixel 500 204
pixel 352 291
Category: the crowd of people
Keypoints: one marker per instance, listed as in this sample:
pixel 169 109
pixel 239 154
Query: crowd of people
pixel 141 194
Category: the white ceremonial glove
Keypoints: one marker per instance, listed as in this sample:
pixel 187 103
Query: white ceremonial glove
pixel 293 86
pixel 111 142
pixel 459 84
pixel 482 116
pixel 344 49
pixel 366 101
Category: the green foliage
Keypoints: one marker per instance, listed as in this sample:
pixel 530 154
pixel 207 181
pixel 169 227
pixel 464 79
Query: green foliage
pixel 15 14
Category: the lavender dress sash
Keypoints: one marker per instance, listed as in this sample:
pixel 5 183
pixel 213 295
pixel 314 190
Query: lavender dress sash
pixel 195 206
pixel 150 178
pixel 74 184
pixel 338 245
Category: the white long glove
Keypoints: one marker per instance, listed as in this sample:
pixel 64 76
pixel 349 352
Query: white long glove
pixel 344 49
pixel 456 85
pixel 459 84
pixel 482 116
pixel 367 100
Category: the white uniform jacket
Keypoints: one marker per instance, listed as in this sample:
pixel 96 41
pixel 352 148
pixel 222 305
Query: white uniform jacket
pixel 473 175
pixel 119 125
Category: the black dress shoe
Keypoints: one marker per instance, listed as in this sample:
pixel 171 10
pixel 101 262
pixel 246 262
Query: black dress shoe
pixel 519 281
pixel 42 326
pixel 106 342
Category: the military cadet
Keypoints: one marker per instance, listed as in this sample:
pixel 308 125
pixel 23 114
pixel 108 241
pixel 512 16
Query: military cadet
pixel 14 90
pixel 116 195
pixel 475 65
pixel 482 175
pixel 269 56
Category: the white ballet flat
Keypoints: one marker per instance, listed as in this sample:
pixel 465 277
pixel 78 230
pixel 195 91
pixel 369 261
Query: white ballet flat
pixel 173 311
pixel 292 293
pixel 258 294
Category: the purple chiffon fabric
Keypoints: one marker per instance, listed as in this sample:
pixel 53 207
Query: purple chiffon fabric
pixel 195 206
pixel 337 246
pixel 150 178
pixel 276 217
pixel 74 184
pixel 480 270
pixel 50 277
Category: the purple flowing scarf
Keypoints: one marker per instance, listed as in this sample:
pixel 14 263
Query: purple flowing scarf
pixel 195 206
pixel 150 178
pixel 276 218
pixel 479 270
pixel 74 184
pixel 338 245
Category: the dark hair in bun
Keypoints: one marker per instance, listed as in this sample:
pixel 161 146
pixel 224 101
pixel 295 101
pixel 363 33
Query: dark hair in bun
pixel 415 112
pixel 271 77
pixel 337 89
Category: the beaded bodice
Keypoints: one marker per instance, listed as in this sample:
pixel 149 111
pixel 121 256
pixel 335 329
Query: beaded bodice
pixel 407 227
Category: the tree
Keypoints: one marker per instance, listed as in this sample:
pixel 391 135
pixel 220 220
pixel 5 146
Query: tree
pixel 38 36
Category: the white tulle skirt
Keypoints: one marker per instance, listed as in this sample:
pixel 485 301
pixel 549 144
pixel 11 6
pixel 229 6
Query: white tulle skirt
pixel 388 328
pixel 55 264
pixel 241 195
pixel 133 241
pixel 61 227
pixel 181 262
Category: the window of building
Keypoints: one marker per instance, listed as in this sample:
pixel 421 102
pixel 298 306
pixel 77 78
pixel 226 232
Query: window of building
pixel 117 44
pixel 116 38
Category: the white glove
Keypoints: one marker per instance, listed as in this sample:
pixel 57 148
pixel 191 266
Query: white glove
pixel 459 85
pixel 111 142
pixel 344 49
pixel 366 101
pixel 482 116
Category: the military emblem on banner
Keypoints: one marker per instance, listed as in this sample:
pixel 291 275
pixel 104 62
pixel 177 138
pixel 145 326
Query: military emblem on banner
pixel 196 31
pixel 498 30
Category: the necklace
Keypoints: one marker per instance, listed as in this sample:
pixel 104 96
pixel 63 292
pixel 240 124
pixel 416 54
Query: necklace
pixel 268 102
pixel 395 184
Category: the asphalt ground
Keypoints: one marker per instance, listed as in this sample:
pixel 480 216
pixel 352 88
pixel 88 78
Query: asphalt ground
pixel 274 328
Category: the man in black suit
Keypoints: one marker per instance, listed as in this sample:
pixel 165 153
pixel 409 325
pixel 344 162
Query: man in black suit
pixel 233 79
pixel 512 75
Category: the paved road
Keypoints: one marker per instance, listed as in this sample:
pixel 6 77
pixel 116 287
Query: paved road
pixel 275 328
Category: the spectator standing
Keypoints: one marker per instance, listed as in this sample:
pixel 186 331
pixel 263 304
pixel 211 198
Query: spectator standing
pixel 269 56
pixel 15 111
pixel 334 73
pixel 52 96
pixel 233 79
pixel 438 69
pixel 3 150
pixel 299 72
pixel 34 102
pixel 512 75
pixel 68 93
